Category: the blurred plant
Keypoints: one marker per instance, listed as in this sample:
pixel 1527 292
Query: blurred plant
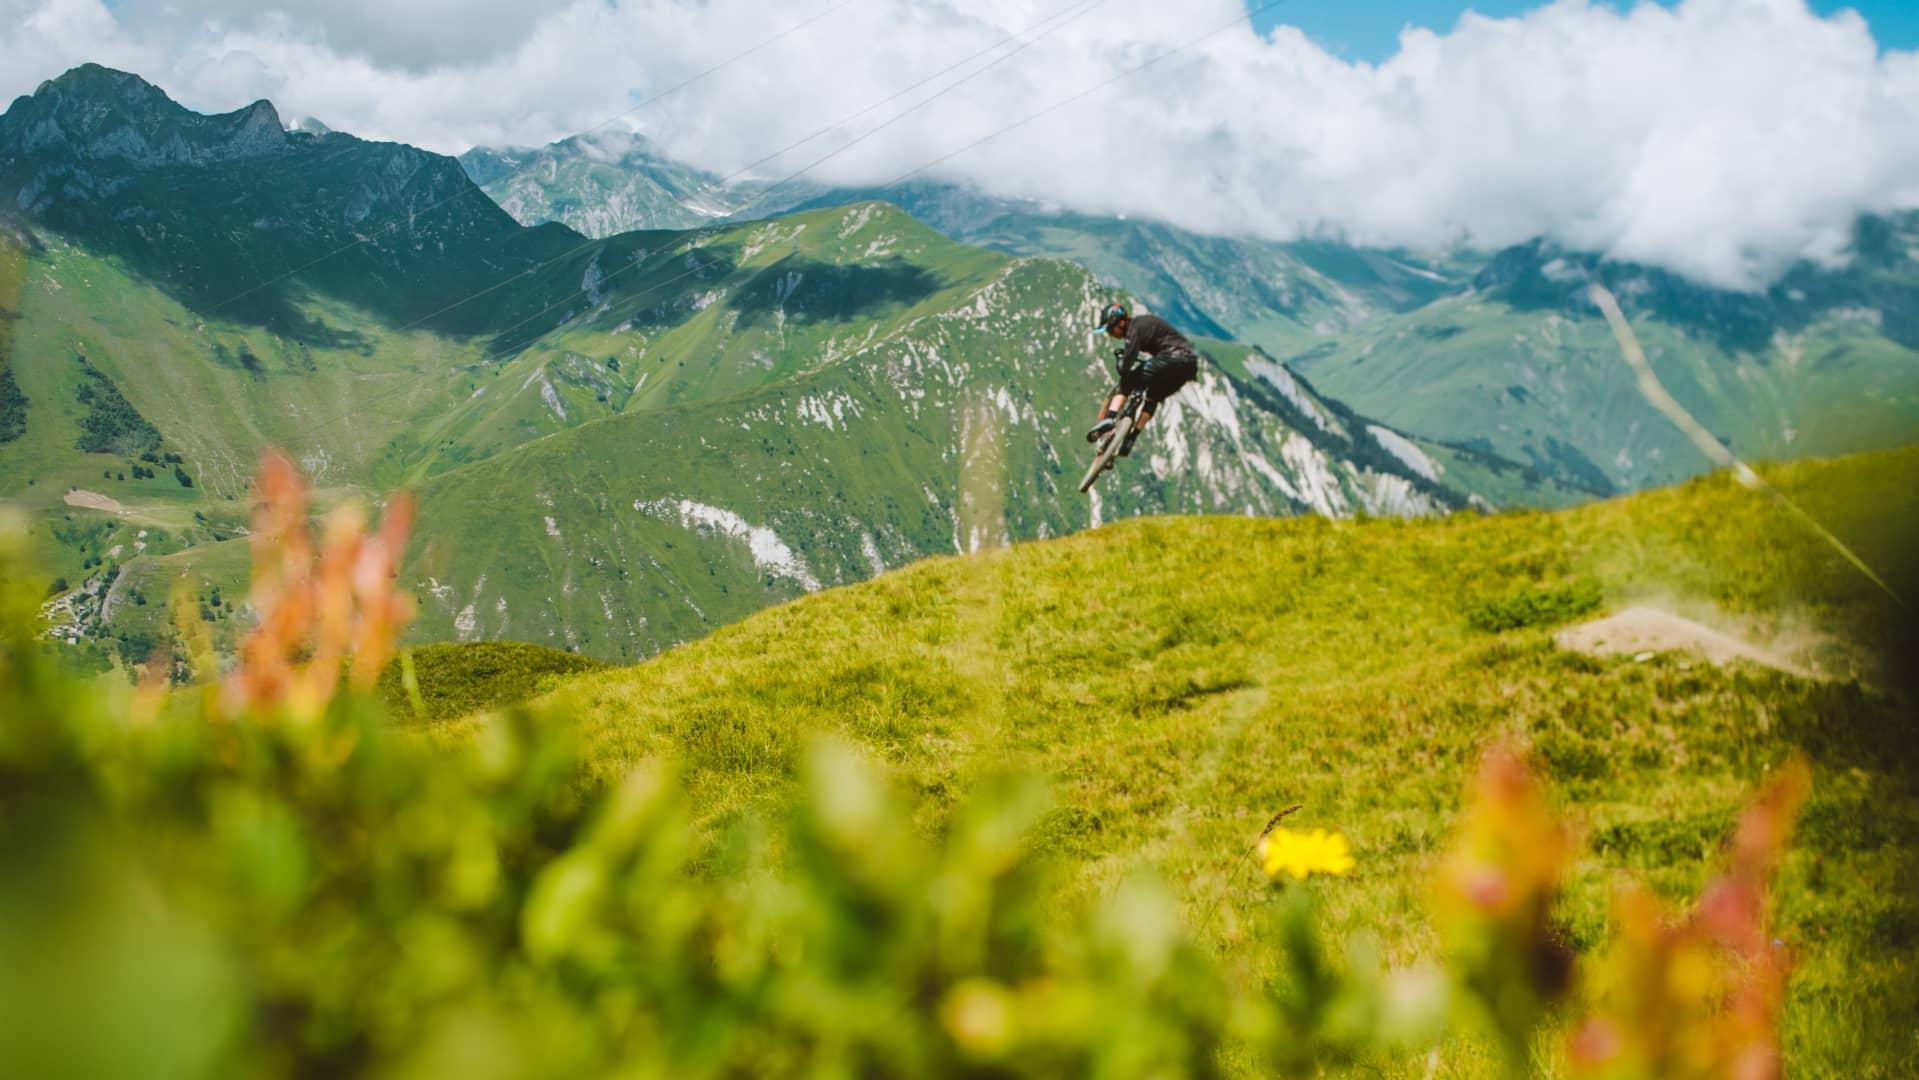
pixel 1494 896
pixel 1700 995
pixel 262 878
pixel 321 606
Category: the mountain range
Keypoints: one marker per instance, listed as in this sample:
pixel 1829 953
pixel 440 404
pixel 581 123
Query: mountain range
pixel 618 443
pixel 1503 351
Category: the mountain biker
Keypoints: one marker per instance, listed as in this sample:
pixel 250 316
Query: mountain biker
pixel 1170 363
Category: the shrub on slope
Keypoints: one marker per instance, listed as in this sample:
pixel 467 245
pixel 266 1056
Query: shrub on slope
pixel 455 679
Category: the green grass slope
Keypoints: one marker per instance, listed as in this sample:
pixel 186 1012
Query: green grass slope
pixel 452 680
pixel 1182 679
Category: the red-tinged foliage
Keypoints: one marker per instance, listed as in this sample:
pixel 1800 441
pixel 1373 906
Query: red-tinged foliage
pixel 1700 995
pixel 322 607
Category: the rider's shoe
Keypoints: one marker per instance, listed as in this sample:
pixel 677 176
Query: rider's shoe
pixel 1099 430
pixel 1126 448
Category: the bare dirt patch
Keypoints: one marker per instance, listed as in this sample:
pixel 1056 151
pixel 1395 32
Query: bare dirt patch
pixel 1641 630
pixel 93 500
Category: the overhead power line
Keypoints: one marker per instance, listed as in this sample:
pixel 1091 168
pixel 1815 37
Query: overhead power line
pixel 1250 14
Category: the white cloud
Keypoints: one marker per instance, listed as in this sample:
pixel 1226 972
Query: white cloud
pixel 1721 138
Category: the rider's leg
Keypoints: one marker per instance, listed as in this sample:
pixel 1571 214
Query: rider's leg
pixel 1167 379
pixel 1105 422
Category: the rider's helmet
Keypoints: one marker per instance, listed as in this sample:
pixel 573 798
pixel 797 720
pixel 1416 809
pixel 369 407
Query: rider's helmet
pixel 1111 314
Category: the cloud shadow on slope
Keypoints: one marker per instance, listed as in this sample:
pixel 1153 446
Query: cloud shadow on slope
pixel 810 291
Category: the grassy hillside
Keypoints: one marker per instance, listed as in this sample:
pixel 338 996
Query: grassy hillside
pixel 452 680
pixel 1182 679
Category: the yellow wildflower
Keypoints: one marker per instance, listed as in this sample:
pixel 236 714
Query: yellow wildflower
pixel 1303 854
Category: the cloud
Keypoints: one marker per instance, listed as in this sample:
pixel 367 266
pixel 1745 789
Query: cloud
pixel 1723 139
pixel 412 36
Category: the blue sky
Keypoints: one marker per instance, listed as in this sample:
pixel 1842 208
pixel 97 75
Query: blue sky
pixel 1369 29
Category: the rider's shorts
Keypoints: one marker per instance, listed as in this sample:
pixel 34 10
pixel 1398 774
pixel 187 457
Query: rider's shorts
pixel 1162 376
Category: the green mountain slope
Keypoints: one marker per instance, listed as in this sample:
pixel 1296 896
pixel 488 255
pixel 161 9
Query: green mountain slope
pixel 1280 296
pixel 1502 353
pixel 220 210
pixel 1525 367
pixel 858 392
pixel 1181 679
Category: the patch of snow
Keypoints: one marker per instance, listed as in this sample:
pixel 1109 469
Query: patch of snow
pixel 316 464
pixel 1872 317
pixel 767 236
pixel 1394 496
pixel 871 549
pixel 1315 484
pixel 551 397
pixel 1563 272
pixel 466 624
pixel 769 552
pixel 856 221
pixel 552 527
pixel 1281 379
pixel 591 280
pixel 1406 451
pixel 1418 271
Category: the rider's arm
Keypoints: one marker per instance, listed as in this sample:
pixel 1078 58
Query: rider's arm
pixel 1128 355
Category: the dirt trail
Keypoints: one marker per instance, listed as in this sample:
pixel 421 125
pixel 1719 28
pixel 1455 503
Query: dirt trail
pixel 1649 630
pixel 93 500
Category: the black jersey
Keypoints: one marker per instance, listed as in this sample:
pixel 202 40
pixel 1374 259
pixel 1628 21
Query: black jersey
pixel 1155 337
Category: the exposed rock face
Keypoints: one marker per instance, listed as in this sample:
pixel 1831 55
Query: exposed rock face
pixel 95 114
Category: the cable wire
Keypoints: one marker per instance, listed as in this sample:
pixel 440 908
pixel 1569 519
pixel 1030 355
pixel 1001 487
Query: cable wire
pixel 1081 10
pixel 1250 14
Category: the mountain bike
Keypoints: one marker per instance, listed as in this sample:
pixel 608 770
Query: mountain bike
pixel 1123 424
